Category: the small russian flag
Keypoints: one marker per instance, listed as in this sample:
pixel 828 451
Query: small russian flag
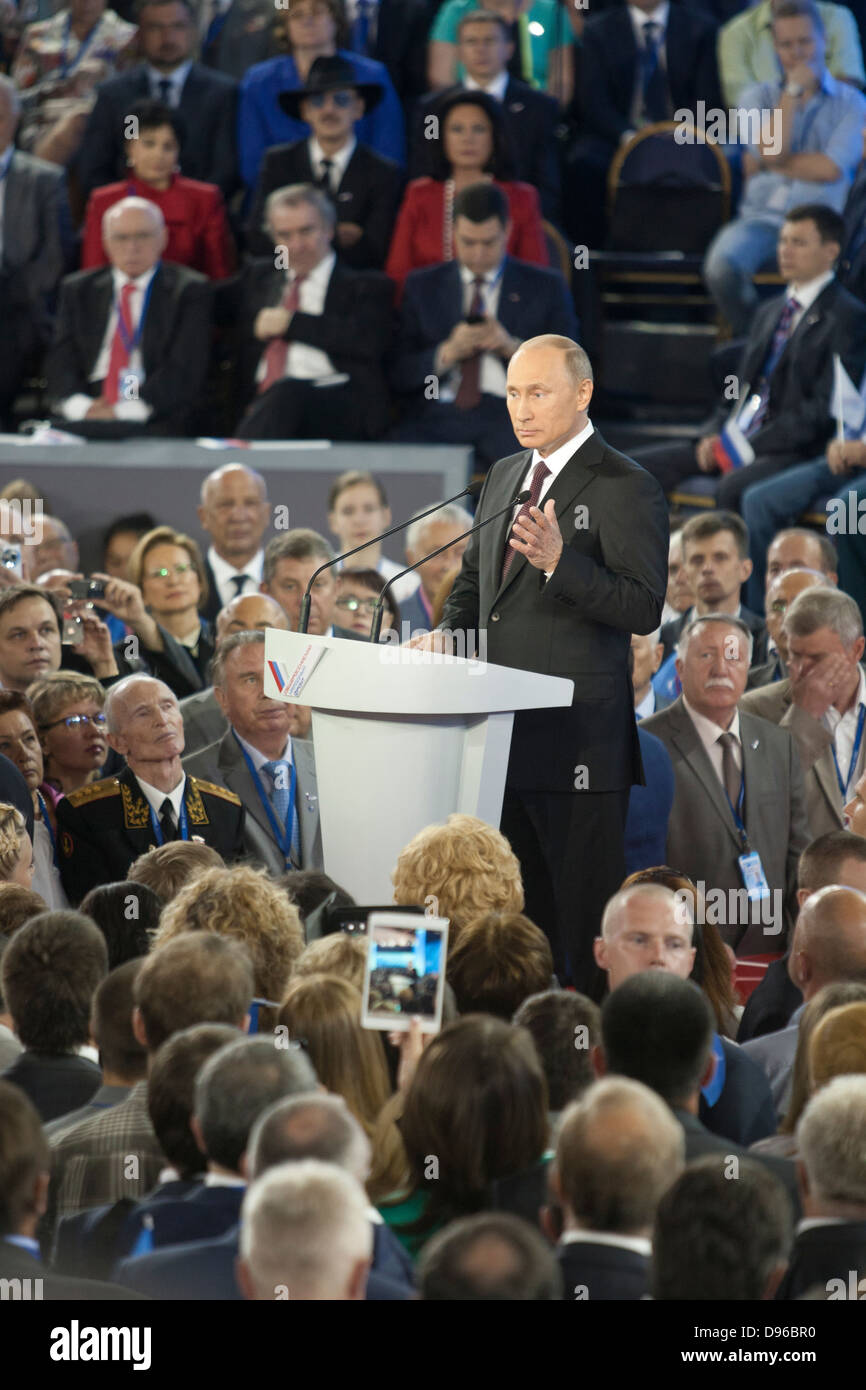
pixel 732 449
pixel 277 674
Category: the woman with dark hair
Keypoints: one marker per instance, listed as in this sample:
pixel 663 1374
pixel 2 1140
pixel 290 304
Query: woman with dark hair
pixel 472 148
pixel 127 914
pixel 194 212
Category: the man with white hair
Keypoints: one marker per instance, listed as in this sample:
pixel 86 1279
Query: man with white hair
pixel 132 343
pixel 103 827
pixel 416 593
pixel 234 511
pixel 738 822
pixel 830 1244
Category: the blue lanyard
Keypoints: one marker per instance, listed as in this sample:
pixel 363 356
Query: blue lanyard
pixel 132 343
pixel 182 822
pixel 47 823
pixel 66 67
pixel 855 753
pixel 282 834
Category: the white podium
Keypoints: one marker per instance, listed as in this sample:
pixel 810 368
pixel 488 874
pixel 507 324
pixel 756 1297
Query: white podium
pixel 403 739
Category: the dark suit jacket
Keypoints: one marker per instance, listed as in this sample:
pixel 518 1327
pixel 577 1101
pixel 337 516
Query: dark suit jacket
pixel 700 1142
pixel 822 1253
pixel 649 806
pixel 744 1112
pixel 16 1263
pixel 200 1214
pixel 102 828
pixel 852 268
pixel 609 67
pixel 182 672
pixel 604 1271
pixel 55 1084
pixel 532 300
pixel 203 721
pixel 208 105
pixel 770 1006
pixel 369 194
pixel 92 1242
pixel 37 236
pixel 530 120
pixel 703 841
pixel 401 44
pixel 175 342
pixel 672 631
pixel 610 582
pixel 354 328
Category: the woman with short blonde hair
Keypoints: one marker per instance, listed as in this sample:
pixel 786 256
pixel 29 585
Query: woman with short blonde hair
pixel 69 715
pixel 16 850
pixel 460 870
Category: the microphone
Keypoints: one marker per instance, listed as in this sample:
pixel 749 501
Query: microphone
pixel 516 501
pixel 471 491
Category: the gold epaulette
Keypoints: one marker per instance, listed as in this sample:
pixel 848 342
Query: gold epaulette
pixel 94 791
pixel 213 789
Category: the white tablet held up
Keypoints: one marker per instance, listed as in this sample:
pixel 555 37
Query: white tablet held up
pixel 405 975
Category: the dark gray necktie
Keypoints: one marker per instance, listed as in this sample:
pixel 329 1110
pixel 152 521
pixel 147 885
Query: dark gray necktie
pixel 730 772
pixel 239 580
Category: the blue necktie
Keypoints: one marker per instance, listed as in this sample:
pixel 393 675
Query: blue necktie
pixel 777 347
pixel 279 771
pixel 654 89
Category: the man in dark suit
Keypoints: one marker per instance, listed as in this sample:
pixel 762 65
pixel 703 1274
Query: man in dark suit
pixel 364 186
pixel 634 73
pixel 131 347
pixel 105 826
pixel 852 267
pixel 559 591
pixel 739 791
pixel 206 100
pixel 273 774
pixel 34 244
pixel 461 322
pixel 290 562
pixel 313 333
pixel 484 49
pixel 782 390
pixel 716 558
pixel 235 512
pixel 618 1149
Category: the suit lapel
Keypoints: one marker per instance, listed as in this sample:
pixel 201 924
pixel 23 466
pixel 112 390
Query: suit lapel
pixel 688 743
pixel 156 320
pixel 507 486
pixel 96 324
pixel 238 778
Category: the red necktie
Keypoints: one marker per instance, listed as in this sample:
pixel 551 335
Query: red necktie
pixel 539 473
pixel 469 391
pixel 276 354
pixel 118 357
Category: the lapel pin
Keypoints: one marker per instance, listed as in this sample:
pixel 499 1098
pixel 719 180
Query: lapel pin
pixel 755 743
pixel 344 197
pixel 516 106
pixel 514 297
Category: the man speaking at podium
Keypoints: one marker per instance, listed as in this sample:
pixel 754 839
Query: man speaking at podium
pixel 559 586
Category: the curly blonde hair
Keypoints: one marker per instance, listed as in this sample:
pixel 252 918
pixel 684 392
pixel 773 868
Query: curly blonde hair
pixel 466 866
pixel 337 954
pixel 244 904
pixel 12 828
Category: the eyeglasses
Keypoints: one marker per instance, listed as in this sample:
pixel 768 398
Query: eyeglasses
pixel 164 573
pixel 76 721
pixel 355 605
pixel 341 99
pixel 780 605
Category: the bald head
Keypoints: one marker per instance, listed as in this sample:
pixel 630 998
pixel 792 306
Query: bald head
pixel 645 927
pixel 315 1126
pixel 134 235
pixel 145 726
pixel 829 943
pixel 248 612
pixel 235 512
pixel 781 594
pixel 798 548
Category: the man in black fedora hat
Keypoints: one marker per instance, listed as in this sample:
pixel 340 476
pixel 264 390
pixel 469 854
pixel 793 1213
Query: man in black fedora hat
pixel 365 187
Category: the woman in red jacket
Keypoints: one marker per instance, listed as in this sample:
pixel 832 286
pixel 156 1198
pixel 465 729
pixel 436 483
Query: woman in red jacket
pixel 195 215
pixel 471 147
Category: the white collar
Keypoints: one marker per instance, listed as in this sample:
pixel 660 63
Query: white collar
pixel 639 1244
pixel 807 293
pixel 223 571
pixel 259 759
pixel 141 282
pixel 338 160
pixel 833 717
pixel 559 458
pixel 155 797
pixel 709 731
pixel 496 89
pixel 489 277
pixel 811 1223
pixel 321 273
pixel 640 18
pixel 222 1180
pixel 647 704
pixel 177 77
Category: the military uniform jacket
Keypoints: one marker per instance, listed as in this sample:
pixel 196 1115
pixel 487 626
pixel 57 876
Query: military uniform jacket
pixel 103 828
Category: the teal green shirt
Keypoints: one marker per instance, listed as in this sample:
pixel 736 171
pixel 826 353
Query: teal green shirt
pixel 404 1214
pixel 545 27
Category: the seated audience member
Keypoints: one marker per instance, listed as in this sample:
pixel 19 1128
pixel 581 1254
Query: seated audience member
pixel 16 848
pixel 786 546
pixel 305 1228
pixel 717 1239
pixel 122 1059
pixel 537 27
pixel 822 700
pixel 59 63
pixel 140 365
pixel 796 548
pixel 127 914
pixel 311 29
pixel 424 536
pixel 30 644
pixel 358 592
pixel 739 786
pixel 165 869
pixel 105 826
pixel 680 594
pixel 814 162
pixel 647 652
pixel 831 1241
pixel 19 741
pixel 781 593
pixel 291 560
pixel 312 333
pixel 650 927
pixel 120 539
pixel 499 960
pixel 464 868
pixel 91 1242
pixel 25 1166
pixel 56 550
pixel 51 970
pixel 234 510
pixel 565 1027
pixel 638 66
pixel 658 1029
pixel 747 52
pixel 205 100
pixel 364 186
pixel 199 978
pixel 828 947
pixel 194 213
pixel 491 1257
pixel 35 230
pixel 618 1150
pixel 461 322
pixel 273 774
pixel 68 711
pixel 484 50
pixel 357 511
pixel 786 362
pixel 716 558
pixel 248 907
pixel 472 148
pixel 337 954
pixel 478 1101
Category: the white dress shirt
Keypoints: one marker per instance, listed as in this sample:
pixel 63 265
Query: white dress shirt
pixel 302 361
pixel 639 20
pixel 259 759
pixel 5 161
pixel 155 797
pixel 176 78
pixel 647 705
pixel 222 572
pixel 496 89
pixel 491 376
pixel 555 462
pixel 709 733
pixel 639 1244
pixel 338 160
pixel 843 728
pixel 76 407
pixel 806 295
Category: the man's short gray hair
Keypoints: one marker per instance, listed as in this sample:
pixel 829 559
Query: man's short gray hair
pixel 251 637
pixel 456 516
pixel 819 607
pixel 577 362
pixel 116 695
pixel 217 473
pixel 300 544
pixel 316 1126
pixel 295 195
pixel 729 620
pixel 133 205
pixel 8 88
pixel 831 1138
pixel 237 1083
